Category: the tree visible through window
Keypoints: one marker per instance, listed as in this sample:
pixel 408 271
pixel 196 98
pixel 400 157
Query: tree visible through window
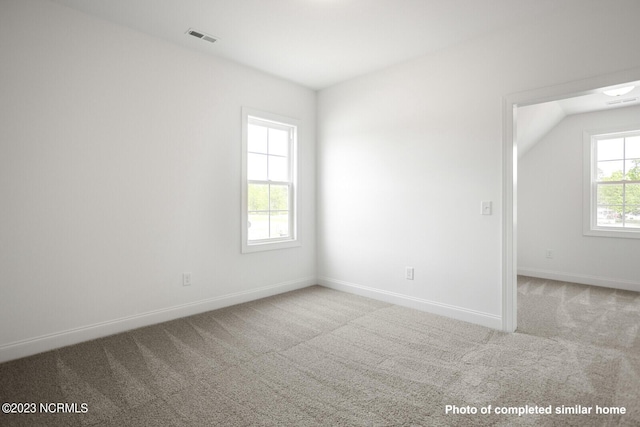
pixel 270 182
pixel 616 184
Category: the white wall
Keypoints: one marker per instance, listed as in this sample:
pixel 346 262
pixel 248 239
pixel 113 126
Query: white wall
pixel 407 154
pixel 550 187
pixel 119 170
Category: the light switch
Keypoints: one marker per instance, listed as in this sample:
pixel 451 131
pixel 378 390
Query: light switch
pixel 485 208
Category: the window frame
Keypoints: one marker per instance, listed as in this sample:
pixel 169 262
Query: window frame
pixel 590 170
pixel 250 115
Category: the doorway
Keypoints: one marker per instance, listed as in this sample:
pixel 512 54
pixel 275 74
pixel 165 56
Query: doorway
pixel 510 168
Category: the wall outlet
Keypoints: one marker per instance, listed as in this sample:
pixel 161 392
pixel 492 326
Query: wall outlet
pixel 549 253
pixel 186 279
pixel 408 273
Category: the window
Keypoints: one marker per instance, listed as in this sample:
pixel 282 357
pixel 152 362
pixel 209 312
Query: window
pixel 612 183
pixel 269 144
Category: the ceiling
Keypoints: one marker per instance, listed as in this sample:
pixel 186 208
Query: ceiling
pixel 535 121
pixel 318 43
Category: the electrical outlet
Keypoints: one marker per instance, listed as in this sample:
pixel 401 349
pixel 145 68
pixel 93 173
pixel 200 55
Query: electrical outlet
pixel 408 273
pixel 186 279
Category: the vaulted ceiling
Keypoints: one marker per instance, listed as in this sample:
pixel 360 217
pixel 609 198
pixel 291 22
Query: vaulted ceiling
pixel 536 121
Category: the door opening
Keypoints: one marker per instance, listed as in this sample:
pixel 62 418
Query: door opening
pixel 510 172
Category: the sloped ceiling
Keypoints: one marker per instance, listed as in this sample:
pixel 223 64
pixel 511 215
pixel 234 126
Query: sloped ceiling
pixel 536 121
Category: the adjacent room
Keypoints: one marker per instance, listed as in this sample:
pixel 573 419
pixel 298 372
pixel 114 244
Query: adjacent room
pixel 319 212
pixel 577 214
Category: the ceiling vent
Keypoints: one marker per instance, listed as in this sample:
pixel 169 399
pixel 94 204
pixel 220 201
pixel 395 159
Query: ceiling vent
pixel 622 101
pixel 201 35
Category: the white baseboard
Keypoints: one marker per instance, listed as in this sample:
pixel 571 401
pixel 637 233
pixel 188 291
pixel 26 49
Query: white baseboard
pixel 580 278
pixel 52 341
pixel 459 313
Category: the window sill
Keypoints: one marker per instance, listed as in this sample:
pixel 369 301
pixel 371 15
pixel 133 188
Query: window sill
pixel 615 233
pixel 269 246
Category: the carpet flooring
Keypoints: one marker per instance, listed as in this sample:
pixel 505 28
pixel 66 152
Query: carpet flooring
pixel 319 357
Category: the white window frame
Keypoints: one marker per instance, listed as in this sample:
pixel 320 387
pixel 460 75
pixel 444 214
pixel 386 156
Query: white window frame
pixel 249 115
pixel 590 170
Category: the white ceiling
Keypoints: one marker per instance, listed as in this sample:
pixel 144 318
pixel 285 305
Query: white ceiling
pixel 599 101
pixel 536 121
pixel 318 43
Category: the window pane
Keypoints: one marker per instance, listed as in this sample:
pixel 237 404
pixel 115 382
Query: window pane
pixel 278 142
pixel 609 216
pixel 633 169
pixel 256 166
pixel 258 225
pixel 632 219
pixel 268 187
pixel 279 197
pixel 633 147
pixel 279 224
pixel 610 149
pixel 257 139
pixel 632 196
pixel 610 194
pixel 610 171
pixel 258 197
pixel 278 168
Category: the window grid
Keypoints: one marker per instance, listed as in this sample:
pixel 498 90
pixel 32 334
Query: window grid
pixel 617 196
pixel 270 211
pixel 277 210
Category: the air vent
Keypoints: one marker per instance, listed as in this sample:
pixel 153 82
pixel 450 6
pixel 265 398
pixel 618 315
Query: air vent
pixel 622 101
pixel 201 35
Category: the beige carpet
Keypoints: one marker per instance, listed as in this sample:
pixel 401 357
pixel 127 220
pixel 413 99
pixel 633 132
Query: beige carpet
pixel 318 357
